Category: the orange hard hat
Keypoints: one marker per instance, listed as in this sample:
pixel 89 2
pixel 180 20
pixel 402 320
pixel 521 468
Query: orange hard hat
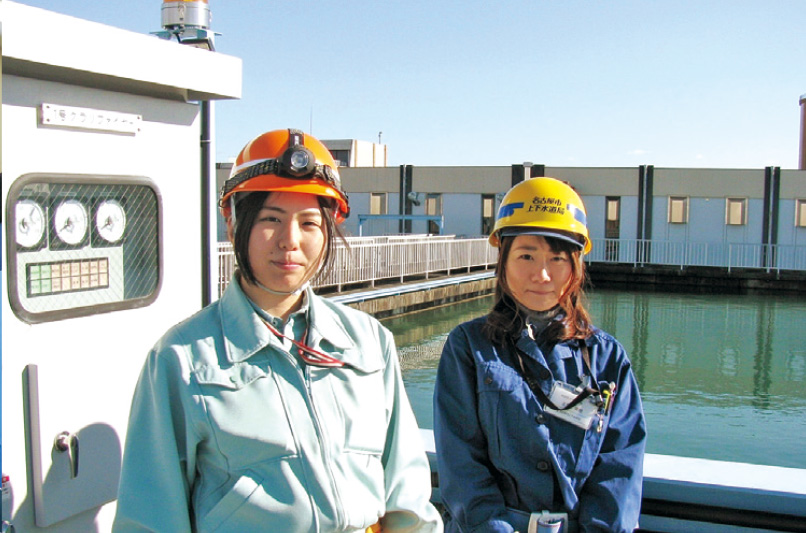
pixel 285 161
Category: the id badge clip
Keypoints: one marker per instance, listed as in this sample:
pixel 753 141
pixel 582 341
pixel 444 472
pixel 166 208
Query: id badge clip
pixel 580 415
pixel 546 522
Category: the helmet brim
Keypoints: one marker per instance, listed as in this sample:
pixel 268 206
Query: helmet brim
pixel 271 183
pixel 514 231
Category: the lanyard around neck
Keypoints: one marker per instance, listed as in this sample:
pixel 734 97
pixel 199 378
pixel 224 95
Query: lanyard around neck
pixel 308 354
pixel 584 393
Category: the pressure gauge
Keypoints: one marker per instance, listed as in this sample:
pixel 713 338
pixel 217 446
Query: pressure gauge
pixel 30 223
pixel 110 220
pixel 71 222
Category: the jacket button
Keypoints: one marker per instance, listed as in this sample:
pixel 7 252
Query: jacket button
pixel 488 380
pixel 543 466
pixel 540 419
pixel 544 374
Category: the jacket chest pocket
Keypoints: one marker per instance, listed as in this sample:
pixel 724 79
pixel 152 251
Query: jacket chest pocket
pixel 246 414
pixel 504 404
pixel 354 405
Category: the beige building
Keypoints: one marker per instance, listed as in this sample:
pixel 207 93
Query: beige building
pixel 355 153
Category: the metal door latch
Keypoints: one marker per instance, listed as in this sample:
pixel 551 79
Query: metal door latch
pixel 67 442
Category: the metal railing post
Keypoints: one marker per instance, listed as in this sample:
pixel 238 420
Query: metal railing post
pixel 403 261
pixel 375 259
pixel 427 259
pixel 730 256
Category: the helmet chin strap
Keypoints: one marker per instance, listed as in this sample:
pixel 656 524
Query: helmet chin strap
pixel 298 290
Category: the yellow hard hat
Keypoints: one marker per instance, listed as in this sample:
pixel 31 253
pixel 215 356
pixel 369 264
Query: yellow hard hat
pixel 543 206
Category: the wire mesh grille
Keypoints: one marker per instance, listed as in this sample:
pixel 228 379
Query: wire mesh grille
pixel 82 247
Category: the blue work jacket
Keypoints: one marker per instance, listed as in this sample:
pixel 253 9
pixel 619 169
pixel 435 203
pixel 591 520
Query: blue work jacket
pixel 229 431
pixel 501 456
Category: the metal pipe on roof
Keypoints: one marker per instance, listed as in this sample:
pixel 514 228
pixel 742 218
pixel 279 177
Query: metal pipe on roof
pixel 188 22
pixel 802 160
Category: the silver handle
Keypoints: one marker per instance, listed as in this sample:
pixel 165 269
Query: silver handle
pixel 67 442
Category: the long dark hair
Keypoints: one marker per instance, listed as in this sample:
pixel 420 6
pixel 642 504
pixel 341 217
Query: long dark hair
pixel 246 211
pixel 506 320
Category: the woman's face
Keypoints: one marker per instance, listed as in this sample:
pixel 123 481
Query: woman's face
pixel 287 240
pixel 536 275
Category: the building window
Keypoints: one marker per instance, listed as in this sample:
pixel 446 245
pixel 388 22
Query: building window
pixel 678 210
pixel 433 206
pixel 487 213
pixel 800 213
pixel 342 157
pixel 612 227
pixel 377 203
pixel 613 205
pixel 736 211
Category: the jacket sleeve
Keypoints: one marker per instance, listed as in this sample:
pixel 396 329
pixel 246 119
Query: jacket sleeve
pixel 466 480
pixel 158 460
pixel 610 499
pixel 406 468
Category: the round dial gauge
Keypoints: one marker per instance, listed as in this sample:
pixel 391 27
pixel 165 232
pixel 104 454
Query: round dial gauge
pixel 30 223
pixel 110 220
pixel 70 222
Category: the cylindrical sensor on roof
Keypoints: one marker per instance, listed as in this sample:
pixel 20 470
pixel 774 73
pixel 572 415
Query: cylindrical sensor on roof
pixel 185 14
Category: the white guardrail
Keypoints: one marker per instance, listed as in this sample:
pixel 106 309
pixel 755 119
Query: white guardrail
pixel 767 257
pixel 370 259
pixel 394 257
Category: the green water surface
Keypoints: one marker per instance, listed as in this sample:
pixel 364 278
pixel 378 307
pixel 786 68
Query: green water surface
pixel 721 376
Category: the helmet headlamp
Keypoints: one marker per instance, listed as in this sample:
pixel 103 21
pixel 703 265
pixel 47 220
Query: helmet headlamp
pixel 298 161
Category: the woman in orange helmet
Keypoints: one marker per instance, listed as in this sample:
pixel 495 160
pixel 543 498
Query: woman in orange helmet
pixel 274 409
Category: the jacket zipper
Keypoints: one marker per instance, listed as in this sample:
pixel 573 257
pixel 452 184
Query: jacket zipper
pixel 323 443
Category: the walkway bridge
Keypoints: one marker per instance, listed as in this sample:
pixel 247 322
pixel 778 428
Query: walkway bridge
pixel 368 262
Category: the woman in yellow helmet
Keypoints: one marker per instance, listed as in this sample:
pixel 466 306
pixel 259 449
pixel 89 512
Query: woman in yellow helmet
pixel 274 409
pixel 537 414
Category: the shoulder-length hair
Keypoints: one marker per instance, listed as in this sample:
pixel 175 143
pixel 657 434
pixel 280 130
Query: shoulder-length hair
pixel 246 211
pixel 506 320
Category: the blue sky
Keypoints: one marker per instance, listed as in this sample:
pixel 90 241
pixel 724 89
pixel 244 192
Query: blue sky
pixel 683 83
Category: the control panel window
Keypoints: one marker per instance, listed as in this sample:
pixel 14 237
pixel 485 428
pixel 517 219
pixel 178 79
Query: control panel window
pixel 81 245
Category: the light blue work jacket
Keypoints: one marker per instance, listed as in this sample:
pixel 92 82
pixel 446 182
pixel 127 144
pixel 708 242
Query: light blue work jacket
pixel 501 456
pixel 229 431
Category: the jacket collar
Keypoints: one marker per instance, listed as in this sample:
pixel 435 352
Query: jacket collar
pixel 561 350
pixel 245 334
pixel 327 332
